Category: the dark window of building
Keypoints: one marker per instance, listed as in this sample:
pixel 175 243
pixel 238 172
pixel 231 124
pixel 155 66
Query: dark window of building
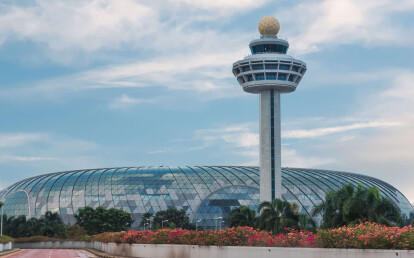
pixel 271 66
pixel 290 78
pixel 240 79
pixel 269 48
pixel 257 67
pixel 281 77
pixel 249 78
pixel 245 68
pixel 270 76
pixel 259 76
pixel 283 67
pixel 295 69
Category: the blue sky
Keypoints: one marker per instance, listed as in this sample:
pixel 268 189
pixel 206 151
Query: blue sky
pixel 88 84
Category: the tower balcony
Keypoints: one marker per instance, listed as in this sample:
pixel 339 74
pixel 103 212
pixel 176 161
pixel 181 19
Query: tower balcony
pixel 261 72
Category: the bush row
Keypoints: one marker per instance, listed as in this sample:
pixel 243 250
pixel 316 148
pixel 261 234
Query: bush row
pixel 363 236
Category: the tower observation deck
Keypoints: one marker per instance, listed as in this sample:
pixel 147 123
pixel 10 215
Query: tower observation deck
pixel 269 71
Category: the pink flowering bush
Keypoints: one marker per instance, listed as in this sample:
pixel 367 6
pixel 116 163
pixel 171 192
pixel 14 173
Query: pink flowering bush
pixel 367 236
pixel 239 236
pixel 364 236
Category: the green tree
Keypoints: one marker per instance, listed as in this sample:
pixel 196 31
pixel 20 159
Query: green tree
pixel 350 206
pixel 100 220
pixel 178 217
pixel 242 216
pixel 278 214
pixel 306 223
pixel 49 225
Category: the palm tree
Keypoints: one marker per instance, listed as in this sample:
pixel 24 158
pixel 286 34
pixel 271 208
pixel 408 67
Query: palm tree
pixel 278 214
pixel 332 208
pixel 349 206
pixel 306 222
pixel 242 216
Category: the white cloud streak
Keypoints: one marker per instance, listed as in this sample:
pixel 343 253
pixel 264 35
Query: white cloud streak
pixel 315 24
pixel 318 132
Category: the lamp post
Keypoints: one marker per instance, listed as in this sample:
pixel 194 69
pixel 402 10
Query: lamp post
pixel 149 224
pixel 197 221
pixel 162 223
pixel 221 221
pixel 219 218
pixel 1 230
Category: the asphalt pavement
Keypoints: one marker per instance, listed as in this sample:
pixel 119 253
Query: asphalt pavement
pixel 50 253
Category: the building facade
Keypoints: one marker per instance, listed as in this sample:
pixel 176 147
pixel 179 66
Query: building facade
pixel 207 193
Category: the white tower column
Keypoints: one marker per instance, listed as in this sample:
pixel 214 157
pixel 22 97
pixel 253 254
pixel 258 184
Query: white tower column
pixel 270 146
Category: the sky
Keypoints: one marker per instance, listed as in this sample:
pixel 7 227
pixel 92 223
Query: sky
pixel 90 84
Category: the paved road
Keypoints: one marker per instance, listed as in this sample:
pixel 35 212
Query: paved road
pixel 49 253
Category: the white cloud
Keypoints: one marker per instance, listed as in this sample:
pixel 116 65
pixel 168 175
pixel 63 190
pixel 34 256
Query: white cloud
pixel 8 140
pixel 10 158
pixel 65 27
pixel 160 151
pixel 88 25
pixel 125 102
pixel 312 133
pixel 206 74
pixel 314 24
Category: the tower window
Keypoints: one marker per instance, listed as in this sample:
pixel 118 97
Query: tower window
pixel 245 68
pixel 290 78
pixel 295 68
pixel 249 78
pixel 281 77
pixel 257 67
pixel 270 76
pixel 283 67
pixel 271 66
pixel 259 76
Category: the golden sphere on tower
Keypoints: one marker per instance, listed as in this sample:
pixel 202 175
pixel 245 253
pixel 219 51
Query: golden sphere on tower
pixel 269 25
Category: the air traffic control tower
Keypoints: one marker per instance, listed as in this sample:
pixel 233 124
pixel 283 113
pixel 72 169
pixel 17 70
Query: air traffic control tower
pixel 269 71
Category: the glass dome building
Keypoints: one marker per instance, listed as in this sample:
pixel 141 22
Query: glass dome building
pixel 206 193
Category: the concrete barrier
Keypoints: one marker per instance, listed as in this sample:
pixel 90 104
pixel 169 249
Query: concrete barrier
pixel 190 251
pixel 4 247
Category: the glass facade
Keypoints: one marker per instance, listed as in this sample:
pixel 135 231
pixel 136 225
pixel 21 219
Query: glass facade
pixel 206 193
pixel 269 48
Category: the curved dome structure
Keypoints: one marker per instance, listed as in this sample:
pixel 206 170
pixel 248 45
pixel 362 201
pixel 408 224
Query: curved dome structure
pixel 206 193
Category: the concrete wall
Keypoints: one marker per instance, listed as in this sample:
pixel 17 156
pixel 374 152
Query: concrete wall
pixel 4 247
pixel 187 251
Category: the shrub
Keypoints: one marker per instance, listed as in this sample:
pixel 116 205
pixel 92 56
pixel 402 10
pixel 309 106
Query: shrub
pixel 5 239
pixel 75 232
pixel 367 235
pixel 36 239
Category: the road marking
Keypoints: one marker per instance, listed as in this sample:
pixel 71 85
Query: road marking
pixel 8 255
pixel 50 254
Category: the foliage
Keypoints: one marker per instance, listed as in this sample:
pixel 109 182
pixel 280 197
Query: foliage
pixel 5 239
pixel 240 236
pixel 348 206
pixel 99 220
pixel 366 235
pixel 75 232
pixel 36 239
pixel 277 215
pixel 174 217
pixel 49 225
pixel 242 216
